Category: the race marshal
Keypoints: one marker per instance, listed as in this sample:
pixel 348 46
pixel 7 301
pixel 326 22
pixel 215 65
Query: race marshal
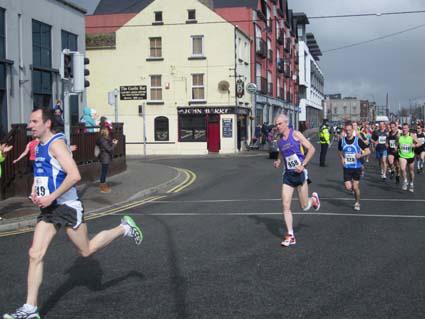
pixel 133 92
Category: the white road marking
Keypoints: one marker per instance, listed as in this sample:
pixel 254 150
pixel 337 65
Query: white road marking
pixel 391 215
pixel 294 199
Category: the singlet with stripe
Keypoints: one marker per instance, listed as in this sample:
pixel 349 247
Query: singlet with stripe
pixel 392 141
pixel 421 138
pixel 291 151
pixel 349 152
pixel 48 173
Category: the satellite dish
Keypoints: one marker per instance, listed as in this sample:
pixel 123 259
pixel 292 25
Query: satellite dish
pixel 223 86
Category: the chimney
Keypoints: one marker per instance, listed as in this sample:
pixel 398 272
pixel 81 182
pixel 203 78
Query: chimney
pixel 208 3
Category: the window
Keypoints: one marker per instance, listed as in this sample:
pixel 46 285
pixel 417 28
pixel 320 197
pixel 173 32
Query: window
pixel 3 106
pixel 158 16
pixel 269 83
pixel 192 128
pixel 155 47
pixel 269 24
pixel 197 45
pixel 198 87
pixel 41 52
pixel 69 41
pixel 191 14
pixel 269 50
pixel 161 129
pixel 156 88
pixel 258 75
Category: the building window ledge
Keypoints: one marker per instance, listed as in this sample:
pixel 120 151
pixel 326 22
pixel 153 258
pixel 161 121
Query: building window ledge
pixel 194 57
pixel 153 102
pixel 191 21
pixel 158 23
pixel 192 102
pixel 155 59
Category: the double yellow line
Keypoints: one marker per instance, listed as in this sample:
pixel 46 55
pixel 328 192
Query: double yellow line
pixel 189 180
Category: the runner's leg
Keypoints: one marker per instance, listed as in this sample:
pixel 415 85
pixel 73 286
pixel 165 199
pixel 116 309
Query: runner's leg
pixel 287 193
pixel 43 235
pixel 86 247
pixel 356 188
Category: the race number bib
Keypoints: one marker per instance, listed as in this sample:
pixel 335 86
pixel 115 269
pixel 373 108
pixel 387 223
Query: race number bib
pixel 392 143
pixel 382 139
pixel 292 161
pixel 422 140
pixel 41 184
pixel 350 158
pixel 405 148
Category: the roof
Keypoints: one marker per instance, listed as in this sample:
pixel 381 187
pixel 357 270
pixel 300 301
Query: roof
pixel 105 23
pixel 301 18
pixel 121 6
pixel 253 4
pixel 72 5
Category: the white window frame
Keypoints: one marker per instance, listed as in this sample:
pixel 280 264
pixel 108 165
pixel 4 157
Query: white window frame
pixel 193 37
pixel 150 48
pixel 155 88
pixel 197 87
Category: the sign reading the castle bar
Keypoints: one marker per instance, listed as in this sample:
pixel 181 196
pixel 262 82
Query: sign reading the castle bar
pixel 133 92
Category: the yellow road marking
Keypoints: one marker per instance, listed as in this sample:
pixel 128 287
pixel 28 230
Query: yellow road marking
pixel 182 183
pixel 94 216
pixel 188 183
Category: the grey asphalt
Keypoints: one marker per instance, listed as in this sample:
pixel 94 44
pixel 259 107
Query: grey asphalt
pixel 140 180
pixel 213 251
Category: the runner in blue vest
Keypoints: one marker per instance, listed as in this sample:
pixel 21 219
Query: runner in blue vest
pixel 291 147
pixel 351 149
pixel 55 176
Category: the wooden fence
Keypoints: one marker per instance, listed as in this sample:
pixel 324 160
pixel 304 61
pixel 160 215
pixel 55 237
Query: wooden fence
pixel 17 178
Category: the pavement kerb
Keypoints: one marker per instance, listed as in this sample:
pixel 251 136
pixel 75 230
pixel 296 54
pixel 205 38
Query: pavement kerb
pixel 30 221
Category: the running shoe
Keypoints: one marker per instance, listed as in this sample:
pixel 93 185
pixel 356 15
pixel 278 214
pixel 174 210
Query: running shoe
pixel 411 188
pixel 357 206
pixel 288 240
pixel 404 186
pixel 135 232
pixel 384 177
pixel 316 201
pixel 23 313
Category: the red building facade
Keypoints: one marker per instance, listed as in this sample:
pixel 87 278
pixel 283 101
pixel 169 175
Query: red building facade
pixel 274 60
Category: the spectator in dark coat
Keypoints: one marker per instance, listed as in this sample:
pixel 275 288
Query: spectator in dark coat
pixel 106 151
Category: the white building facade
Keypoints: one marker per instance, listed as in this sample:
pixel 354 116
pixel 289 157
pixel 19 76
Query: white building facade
pixel 32 36
pixel 311 78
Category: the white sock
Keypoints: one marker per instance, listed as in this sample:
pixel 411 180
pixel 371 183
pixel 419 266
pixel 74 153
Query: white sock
pixel 291 232
pixel 30 308
pixel 127 229
pixel 308 205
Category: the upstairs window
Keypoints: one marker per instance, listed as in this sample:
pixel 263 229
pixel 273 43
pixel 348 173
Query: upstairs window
pixel 155 47
pixel 156 88
pixel 158 16
pixel 198 87
pixel 197 45
pixel 191 14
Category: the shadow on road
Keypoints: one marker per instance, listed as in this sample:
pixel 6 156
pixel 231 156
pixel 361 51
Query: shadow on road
pixel 84 272
pixel 276 226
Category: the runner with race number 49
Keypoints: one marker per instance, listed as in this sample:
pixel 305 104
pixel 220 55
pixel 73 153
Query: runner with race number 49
pixel 291 154
pixel 55 176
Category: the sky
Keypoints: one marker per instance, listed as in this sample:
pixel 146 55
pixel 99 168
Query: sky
pixel 395 65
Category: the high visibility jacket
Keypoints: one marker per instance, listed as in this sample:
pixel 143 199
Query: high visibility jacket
pixel 324 135
pixel 1 160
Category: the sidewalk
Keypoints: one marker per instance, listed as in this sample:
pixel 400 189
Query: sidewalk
pixel 141 179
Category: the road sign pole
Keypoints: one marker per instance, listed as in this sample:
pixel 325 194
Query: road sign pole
pixel 144 128
pixel 66 111
pixel 116 105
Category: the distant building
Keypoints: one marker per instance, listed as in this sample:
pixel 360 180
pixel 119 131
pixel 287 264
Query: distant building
pixel 311 79
pixel 32 36
pixel 343 109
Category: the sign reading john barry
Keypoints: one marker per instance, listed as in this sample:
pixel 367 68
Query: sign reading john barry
pixel 133 92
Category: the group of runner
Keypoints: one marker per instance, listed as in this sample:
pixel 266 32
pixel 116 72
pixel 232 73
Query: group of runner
pixel 396 147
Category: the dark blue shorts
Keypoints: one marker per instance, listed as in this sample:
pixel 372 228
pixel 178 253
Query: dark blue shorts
pixel 380 153
pixel 294 179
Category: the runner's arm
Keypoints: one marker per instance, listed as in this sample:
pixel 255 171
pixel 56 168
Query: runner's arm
pixel 61 153
pixel 24 153
pixel 307 145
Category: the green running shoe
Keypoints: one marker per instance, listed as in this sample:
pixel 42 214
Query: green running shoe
pixel 135 231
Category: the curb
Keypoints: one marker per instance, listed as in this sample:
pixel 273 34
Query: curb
pixel 30 220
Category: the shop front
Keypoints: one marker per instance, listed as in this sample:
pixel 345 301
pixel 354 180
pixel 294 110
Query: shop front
pixel 221 129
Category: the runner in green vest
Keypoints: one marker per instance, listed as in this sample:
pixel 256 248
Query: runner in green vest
pixel 405 145
pixel 4 148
